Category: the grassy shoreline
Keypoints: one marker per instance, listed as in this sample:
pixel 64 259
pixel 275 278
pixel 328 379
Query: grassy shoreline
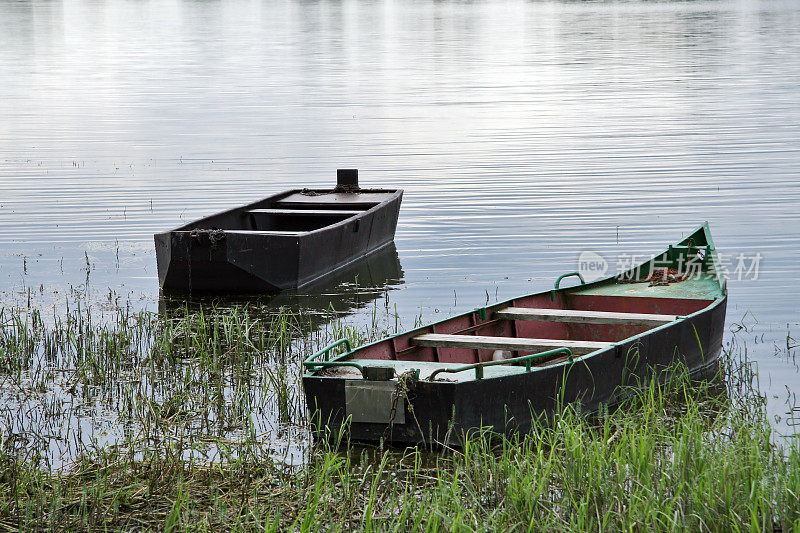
pixel 193 456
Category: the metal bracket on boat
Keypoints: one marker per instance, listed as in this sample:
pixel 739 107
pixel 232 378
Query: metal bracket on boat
pixel 558 282
pixel 562 276
pixel 481 313
pixel 326 350
pixel 527 359
pixel 312 364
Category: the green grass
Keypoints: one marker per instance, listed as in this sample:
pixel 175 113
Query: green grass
pixel 191 390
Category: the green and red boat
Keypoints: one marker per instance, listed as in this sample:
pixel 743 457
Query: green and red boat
pixel 501 366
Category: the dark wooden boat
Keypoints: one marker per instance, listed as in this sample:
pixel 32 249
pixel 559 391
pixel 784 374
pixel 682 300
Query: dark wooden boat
pixel 500 366
pixel 285 241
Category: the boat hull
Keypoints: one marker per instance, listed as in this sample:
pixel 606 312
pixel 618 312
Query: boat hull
pixel 443 412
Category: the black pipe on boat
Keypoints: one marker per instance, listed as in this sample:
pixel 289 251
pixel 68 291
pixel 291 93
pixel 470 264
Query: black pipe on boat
pixel 347 179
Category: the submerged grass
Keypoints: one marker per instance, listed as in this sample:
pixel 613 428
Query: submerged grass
pixel 680 456
pixel 86 378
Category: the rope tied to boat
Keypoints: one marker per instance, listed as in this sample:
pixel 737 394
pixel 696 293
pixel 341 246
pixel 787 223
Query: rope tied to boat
pixel 214 236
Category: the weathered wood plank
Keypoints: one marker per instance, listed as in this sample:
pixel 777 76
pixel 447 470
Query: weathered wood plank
pixel 583 317
pixel 306 212
pixel 265 232
pixel 477 342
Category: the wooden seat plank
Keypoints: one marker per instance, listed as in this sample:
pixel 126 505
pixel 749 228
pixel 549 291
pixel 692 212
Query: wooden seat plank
pixel 476 342
pixel 583 317
pixel 306 212
pixel 265 232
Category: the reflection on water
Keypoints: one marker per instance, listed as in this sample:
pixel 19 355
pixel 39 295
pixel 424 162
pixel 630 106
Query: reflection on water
pixel 344 292
pixel 523 133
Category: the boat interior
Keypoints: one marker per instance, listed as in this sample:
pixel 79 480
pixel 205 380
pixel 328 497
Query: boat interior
pixel 584 319
pixel 295 212
pixel 583 323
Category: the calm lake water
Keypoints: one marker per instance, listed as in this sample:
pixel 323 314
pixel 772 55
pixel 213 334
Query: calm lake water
pixel 523 134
